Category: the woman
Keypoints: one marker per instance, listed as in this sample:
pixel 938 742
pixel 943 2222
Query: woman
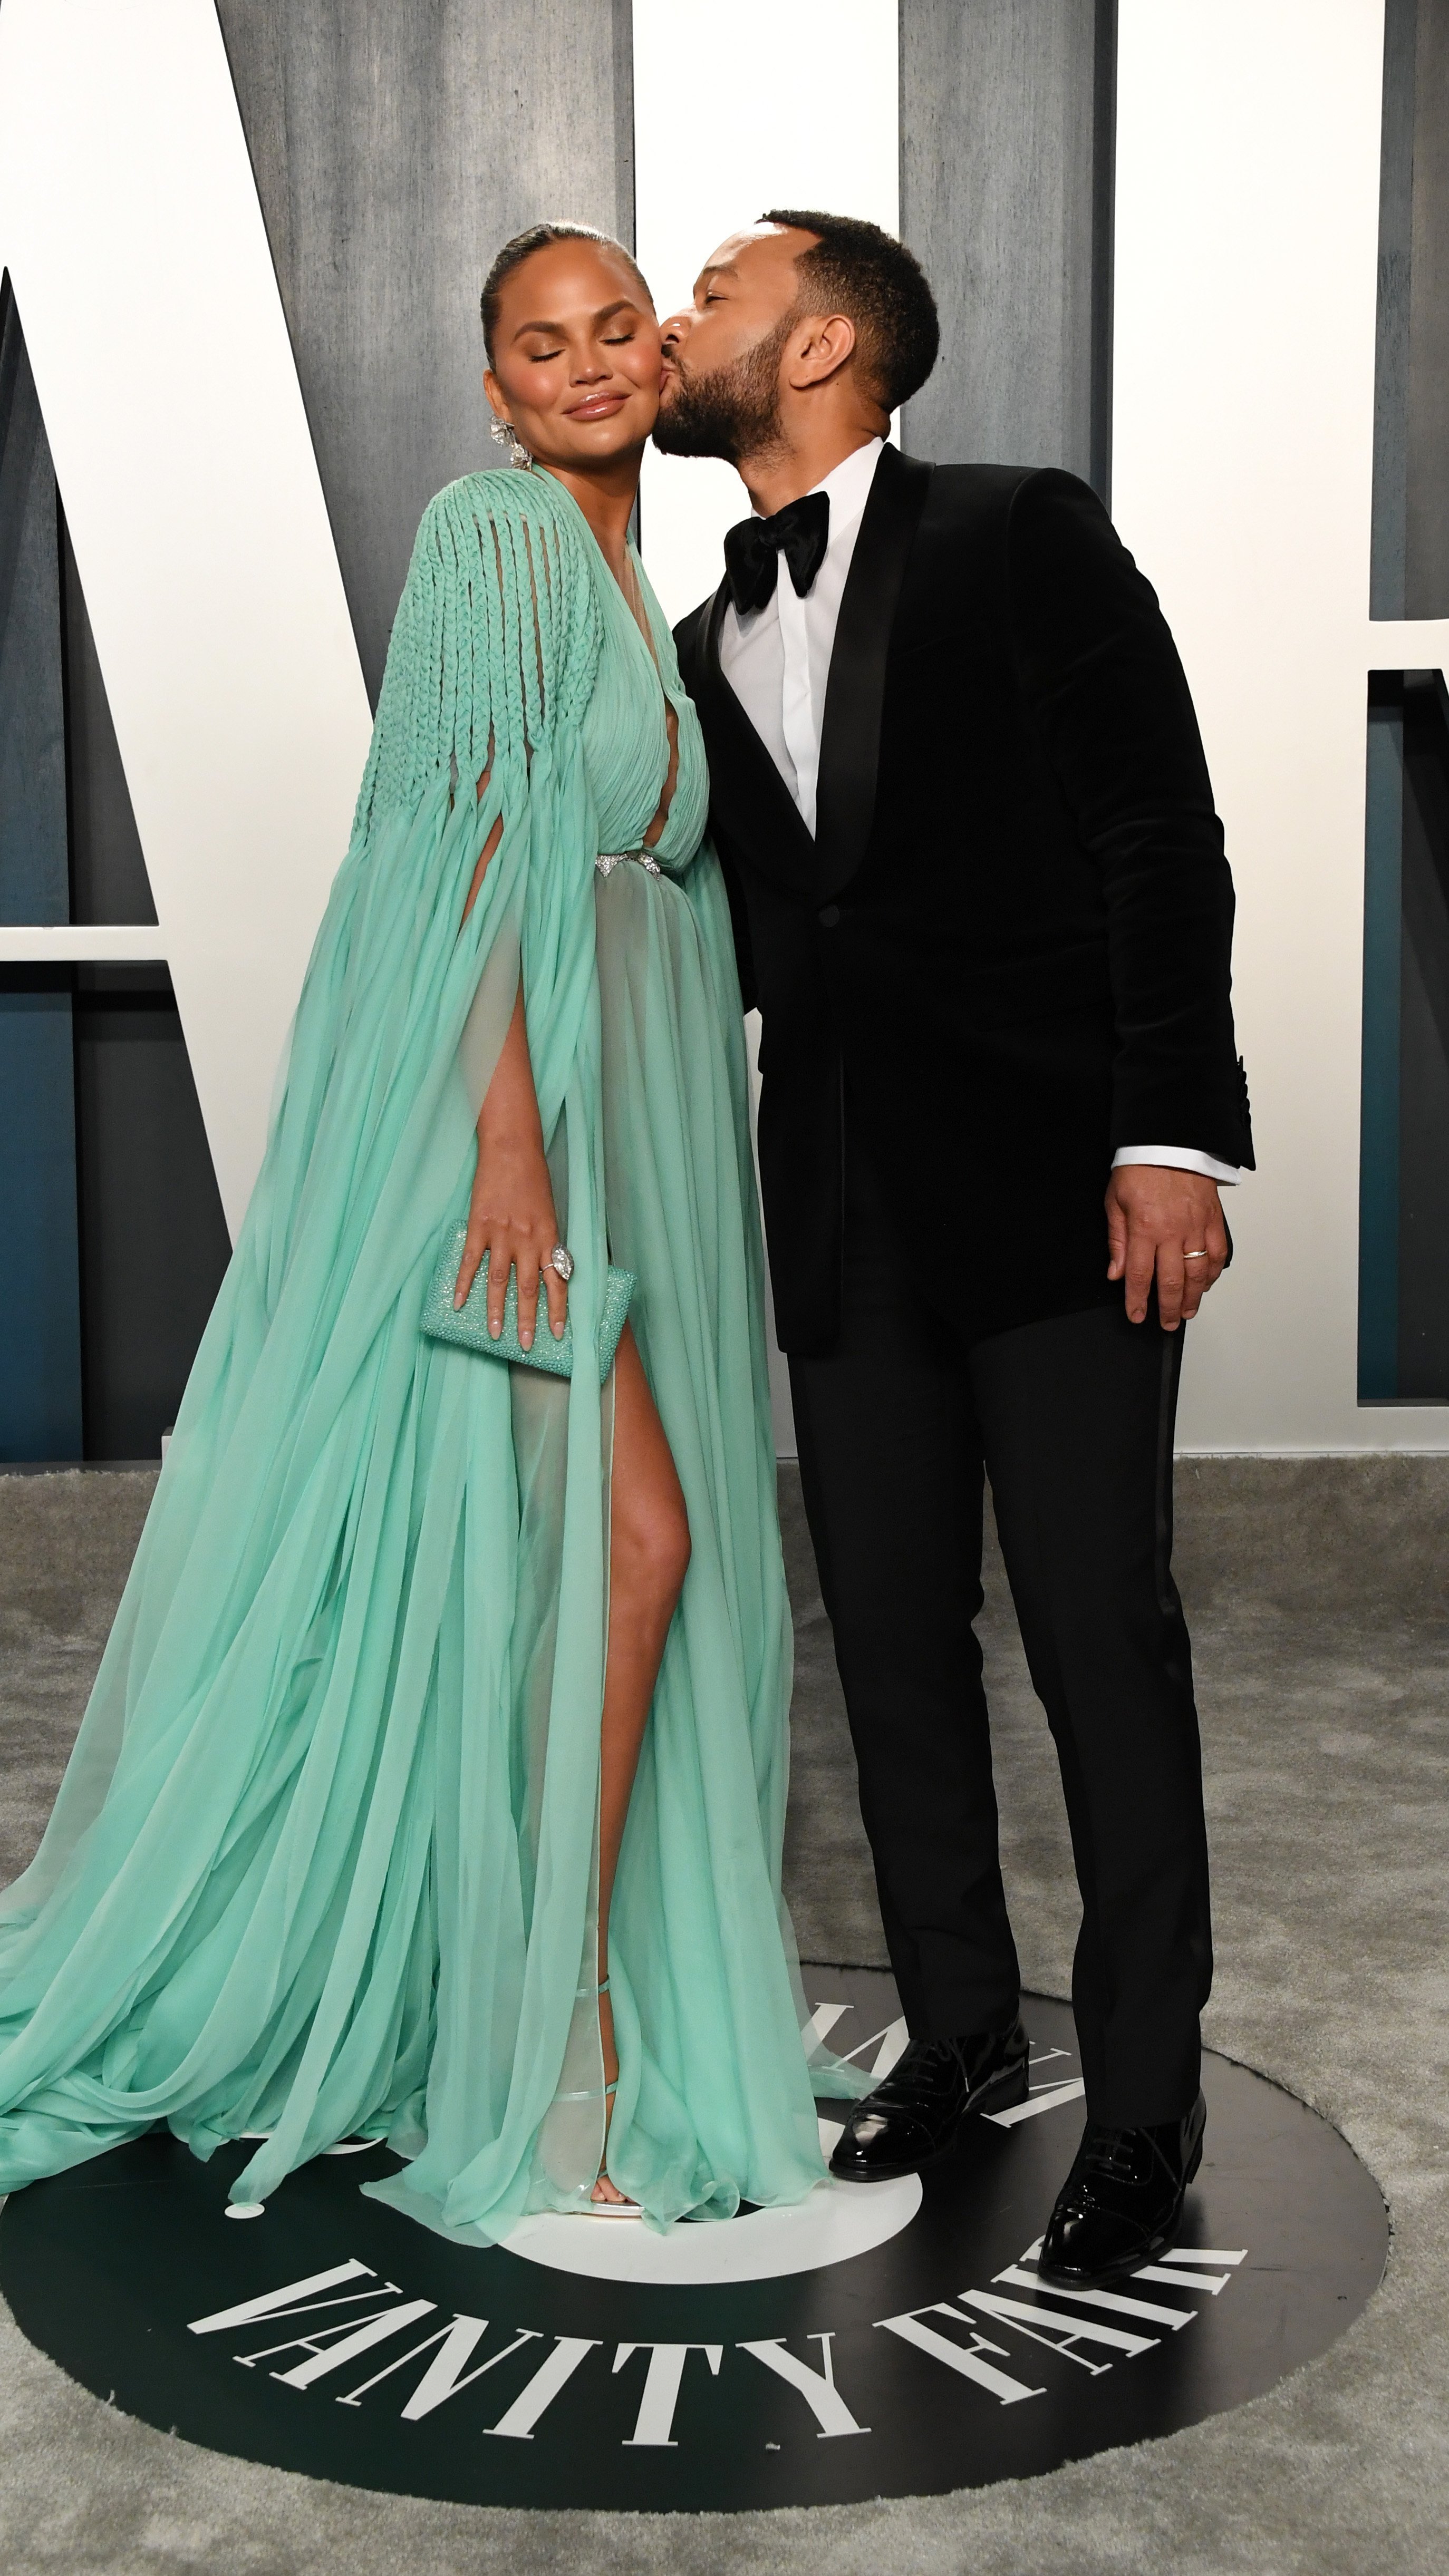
pixel 342 1849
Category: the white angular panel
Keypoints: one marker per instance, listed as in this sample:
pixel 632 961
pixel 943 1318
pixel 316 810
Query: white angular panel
pixel 768 103
pixel 130 225
pixel 1245 300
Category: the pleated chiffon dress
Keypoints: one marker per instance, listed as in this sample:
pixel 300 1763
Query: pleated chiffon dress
pixel 324 1862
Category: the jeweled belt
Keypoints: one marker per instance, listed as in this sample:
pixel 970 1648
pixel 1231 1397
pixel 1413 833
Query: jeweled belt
pixel 608 860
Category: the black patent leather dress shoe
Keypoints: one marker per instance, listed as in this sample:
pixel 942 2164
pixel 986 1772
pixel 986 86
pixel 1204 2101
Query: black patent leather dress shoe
pixel 919 2110
pixel 1120 2204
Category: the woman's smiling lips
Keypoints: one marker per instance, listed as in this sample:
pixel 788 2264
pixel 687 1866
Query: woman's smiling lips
pixel 597 407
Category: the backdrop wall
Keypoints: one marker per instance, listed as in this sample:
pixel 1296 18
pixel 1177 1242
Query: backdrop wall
pixel 245 238
pixel 1247 191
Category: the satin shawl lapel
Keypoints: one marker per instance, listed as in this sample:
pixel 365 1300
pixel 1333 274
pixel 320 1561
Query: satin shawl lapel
pixel 850 731
pixel 749 800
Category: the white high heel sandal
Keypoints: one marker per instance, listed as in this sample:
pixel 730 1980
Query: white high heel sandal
pixel 601 2208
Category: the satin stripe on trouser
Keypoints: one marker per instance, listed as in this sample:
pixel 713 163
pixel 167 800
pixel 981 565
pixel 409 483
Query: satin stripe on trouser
pixel 1071 1420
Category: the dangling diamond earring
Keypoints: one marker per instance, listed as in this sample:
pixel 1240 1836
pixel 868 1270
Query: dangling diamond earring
pixel 507 436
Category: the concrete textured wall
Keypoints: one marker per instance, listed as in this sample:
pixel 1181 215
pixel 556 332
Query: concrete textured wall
pixel 395 148
pixel 1391 369
pixel 33 883
pixel 40 1407
pixel 1006 152
pixel 1411 397
pixel 1426 549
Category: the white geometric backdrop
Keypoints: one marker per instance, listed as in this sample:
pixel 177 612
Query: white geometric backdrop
pixel 1245 302
pixel 1247 210
pixel 130 225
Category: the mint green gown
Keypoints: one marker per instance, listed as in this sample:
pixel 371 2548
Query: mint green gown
pixel 324 1861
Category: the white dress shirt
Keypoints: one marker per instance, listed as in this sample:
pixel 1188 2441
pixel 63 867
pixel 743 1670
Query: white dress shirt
pixel 777 661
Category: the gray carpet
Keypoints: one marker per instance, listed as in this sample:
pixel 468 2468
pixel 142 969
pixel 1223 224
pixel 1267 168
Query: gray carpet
pixel 1316 1590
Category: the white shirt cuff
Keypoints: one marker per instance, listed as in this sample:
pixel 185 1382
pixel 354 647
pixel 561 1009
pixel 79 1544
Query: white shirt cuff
pixel 1179 1158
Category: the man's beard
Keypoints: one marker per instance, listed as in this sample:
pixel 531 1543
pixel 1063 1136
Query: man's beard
pixel 734 413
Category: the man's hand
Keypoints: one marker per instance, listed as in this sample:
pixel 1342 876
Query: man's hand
pixel 1156 1217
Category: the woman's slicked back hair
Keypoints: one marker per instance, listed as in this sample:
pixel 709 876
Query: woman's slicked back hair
pixel 522 247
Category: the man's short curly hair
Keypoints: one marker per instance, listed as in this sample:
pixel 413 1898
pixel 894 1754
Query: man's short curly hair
pixel 855 268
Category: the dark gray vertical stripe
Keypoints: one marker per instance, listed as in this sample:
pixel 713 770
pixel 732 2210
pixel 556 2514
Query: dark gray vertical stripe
pixel 40 1379
pixel 1424 1045
pixel 153 1237
pixel 33 877
pixel 1403 1192
pixel 1104 217
pixel 108 880
pixel 395 148
pixel 112 1239
pixel 40 1352
pixel 1410 564
pixel 1426 530
pixel 623 224
pixel 1404 1175
pixel 1383 929
pixel 1006 143
pixel 1391 374
pixel 153 1242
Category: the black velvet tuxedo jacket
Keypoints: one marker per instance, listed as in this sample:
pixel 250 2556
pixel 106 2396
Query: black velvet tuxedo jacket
pixel 1006 950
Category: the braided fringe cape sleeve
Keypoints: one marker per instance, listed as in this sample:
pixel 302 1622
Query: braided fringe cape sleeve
pixel 495 644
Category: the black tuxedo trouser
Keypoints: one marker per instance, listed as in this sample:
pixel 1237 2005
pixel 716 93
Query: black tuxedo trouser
pixel 1072 1420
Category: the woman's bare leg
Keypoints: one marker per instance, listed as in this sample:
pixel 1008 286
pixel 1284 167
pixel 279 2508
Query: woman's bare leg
pixel 648 1556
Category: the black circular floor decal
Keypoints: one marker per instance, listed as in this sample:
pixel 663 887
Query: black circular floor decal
pixel 889 2340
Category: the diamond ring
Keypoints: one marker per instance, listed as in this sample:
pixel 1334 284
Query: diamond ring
pixel 562 1260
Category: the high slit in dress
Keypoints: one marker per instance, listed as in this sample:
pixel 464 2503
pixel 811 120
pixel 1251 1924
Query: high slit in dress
pixel 324 1862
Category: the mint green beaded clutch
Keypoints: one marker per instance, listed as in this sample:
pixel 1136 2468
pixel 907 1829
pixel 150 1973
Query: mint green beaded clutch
pixel 467 1325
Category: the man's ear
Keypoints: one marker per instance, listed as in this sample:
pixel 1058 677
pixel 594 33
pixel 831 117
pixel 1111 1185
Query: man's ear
pixel 823 345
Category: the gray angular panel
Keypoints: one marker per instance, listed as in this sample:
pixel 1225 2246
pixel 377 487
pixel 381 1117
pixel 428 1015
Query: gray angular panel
pixel 40 1360
pixel 108 879
pixel 1403 1172
pixel 34 881
pixel 1006 153
pixel 1423 1247
pixel 1391 373
pixel 395 148
pixel 1410 576
pixel 1426 550
pixel 40 1338
pixel 153 1238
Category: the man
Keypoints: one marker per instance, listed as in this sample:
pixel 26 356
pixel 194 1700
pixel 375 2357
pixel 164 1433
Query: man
pixel 982 904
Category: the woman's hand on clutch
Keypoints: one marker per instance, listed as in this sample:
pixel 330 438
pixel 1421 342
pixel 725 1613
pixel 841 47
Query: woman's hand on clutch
pixel 511 1218
pixel 511 1213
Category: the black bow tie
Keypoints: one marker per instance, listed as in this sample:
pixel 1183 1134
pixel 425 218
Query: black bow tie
pixel 800 532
